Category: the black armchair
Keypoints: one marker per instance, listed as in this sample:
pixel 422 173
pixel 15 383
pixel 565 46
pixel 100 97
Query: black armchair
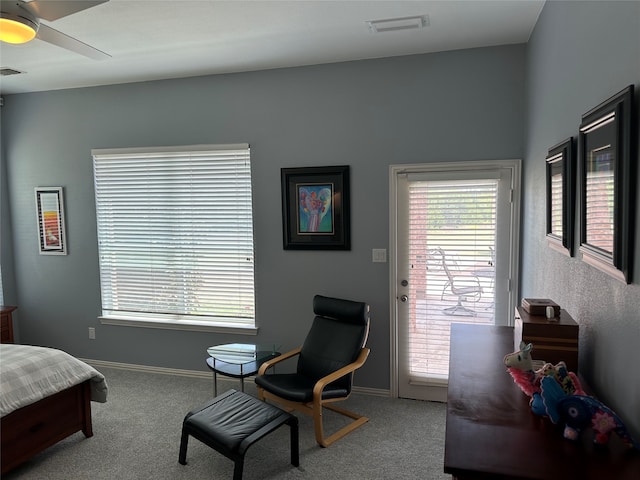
pixel 333 350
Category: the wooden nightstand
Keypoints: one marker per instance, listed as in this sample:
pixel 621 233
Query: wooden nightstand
pixel 6 330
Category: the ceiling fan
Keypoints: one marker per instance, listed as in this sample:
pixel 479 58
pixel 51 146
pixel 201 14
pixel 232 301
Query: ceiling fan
pixel 20 23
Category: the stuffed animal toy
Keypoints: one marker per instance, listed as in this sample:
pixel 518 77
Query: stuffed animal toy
pixel 557 393
pixel 520 366
pixel 581 411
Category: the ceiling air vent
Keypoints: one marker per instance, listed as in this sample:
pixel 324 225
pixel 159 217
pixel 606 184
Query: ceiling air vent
pixel 402 23
pixel 9 71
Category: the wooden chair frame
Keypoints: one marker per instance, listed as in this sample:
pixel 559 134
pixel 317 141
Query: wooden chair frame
pixel 314 408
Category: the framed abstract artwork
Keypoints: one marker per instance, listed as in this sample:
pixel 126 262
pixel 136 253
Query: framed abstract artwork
pixel 315 208
pixel 51 227
pixel 608 173
pixel 561 196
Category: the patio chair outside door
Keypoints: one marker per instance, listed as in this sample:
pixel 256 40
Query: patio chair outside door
pixel 465 286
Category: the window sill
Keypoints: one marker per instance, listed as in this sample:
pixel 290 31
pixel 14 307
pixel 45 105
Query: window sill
pixel 184 325
pixel 602 263
pixel 556 244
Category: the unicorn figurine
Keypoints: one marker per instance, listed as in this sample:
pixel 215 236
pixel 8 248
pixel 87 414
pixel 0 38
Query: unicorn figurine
pixel 528 376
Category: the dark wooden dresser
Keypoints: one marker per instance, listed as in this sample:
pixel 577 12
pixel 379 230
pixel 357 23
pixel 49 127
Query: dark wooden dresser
pixel 491 432
pixel 6 324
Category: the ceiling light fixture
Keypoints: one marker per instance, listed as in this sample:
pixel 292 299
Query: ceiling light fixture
pixel 402 23
pixel 17 27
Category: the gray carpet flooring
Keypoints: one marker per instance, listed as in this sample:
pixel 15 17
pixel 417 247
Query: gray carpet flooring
pixel 137 436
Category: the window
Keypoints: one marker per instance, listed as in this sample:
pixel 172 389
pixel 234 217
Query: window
pixel 606 186
pixel 560 197
pixel 175 236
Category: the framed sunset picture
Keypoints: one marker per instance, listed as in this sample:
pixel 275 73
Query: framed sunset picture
pixel 51 228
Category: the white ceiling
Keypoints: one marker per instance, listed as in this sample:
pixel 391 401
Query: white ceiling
pixel 158 39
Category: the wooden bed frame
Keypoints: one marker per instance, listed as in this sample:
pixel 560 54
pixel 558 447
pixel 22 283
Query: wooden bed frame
pixel 31 429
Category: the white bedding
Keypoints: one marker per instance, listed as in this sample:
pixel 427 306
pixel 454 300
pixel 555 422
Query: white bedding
pixel 29 374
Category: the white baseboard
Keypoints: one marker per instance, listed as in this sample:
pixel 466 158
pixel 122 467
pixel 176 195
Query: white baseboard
pixel 200 374
pixel 149 369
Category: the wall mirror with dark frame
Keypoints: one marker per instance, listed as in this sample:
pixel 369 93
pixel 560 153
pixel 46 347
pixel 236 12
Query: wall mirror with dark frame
pixel 606 200
pixel 560 196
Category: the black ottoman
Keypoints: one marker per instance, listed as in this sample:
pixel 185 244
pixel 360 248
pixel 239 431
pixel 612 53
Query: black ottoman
pixel 233 422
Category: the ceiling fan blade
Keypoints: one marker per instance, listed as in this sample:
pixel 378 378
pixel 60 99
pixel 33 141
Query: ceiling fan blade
pixel 53 10
pixel 55 37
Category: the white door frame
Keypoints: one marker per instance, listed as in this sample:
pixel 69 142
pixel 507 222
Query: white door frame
pixel 515 166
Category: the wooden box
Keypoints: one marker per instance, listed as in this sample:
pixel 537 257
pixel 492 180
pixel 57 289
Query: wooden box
pixel 538 306
pixel 554 340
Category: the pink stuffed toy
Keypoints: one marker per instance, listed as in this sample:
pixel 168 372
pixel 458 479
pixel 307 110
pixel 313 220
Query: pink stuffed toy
pixel 520 366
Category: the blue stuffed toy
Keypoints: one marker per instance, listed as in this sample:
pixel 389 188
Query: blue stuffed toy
pixel 581 411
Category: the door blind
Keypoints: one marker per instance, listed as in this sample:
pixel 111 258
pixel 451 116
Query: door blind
pixel 452 229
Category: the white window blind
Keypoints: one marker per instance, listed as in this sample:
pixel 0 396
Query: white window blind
pixel 175 233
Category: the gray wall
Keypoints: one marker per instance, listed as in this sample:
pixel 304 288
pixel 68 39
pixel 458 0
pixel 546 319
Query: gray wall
pixel 580 54
pixel 461 105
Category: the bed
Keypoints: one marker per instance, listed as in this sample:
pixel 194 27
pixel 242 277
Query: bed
pixel 45 396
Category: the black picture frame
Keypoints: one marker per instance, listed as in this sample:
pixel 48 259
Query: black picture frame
pixel 51 223
pixel 607 203
pixel 560 174
pixel 316 208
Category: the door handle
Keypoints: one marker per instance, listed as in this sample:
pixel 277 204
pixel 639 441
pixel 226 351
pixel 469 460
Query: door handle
pixel 404 298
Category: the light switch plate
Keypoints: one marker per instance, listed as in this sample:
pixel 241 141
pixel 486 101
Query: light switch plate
pixel 379 255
